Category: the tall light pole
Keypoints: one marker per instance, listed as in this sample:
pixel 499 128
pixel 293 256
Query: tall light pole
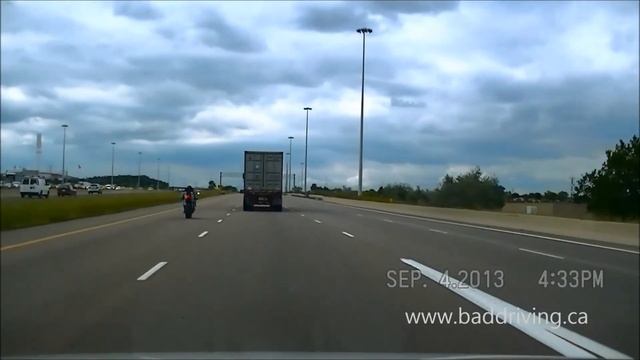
pixel 158 176
pixel 286 171
pixel 306 146
pixel 363 31
pixel 290 162
pixel 113 153
pixel 64 145
pixel 139 166
pixel 301 171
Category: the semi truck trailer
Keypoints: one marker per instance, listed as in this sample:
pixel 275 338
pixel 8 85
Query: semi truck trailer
pixel 262 180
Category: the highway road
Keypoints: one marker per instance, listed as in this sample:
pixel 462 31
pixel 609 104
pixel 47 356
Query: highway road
pixel 316 277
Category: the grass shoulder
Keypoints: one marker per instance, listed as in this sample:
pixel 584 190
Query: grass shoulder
pixel 19 213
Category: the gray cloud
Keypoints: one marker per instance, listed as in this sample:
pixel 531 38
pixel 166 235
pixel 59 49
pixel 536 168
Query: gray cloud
pixel 400 102
pixel 342 17
pixel 215 31
pixel 348 15
pixel 138 10
pixel 391 9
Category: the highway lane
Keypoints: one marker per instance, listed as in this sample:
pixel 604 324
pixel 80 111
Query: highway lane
pixel 458 248
pixel 254 281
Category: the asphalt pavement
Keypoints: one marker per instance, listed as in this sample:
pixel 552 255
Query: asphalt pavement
pixel 316 277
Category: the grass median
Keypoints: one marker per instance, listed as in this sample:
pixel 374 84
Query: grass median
pixel 19 213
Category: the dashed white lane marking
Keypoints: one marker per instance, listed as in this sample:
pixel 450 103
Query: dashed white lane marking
pixel 493 229
pixel 204 233
pixel 301 214
pixel 219 220
pixel 228 214
pixel 438 231
pixel 387 220
pixel 541 253
pixel 150 272
pixel 318 221
pixel 347 234
pixel 359 215
pixel 564 341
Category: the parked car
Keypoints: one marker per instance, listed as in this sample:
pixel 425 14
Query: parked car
pixel 34 186
pixel 66 190
pixel 94 189
pixel 15 184
pixel 108 187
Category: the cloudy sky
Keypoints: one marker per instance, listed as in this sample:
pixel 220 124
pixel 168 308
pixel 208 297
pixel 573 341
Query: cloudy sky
pixel 532 92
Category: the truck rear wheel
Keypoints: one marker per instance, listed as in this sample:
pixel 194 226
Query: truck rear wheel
pixel 246 207
pixel 277 207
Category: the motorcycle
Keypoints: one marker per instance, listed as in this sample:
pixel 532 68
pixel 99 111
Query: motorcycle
pixel 188 203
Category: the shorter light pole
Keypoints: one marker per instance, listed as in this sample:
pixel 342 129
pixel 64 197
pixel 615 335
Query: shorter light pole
pixel 290 163
pixel 113 153
pixel 286 173
pixel 306 146
pixel 158 176
pixel 139 166
pixel 64 147
pixel 301 172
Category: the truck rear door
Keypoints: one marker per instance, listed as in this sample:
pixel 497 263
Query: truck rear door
pixel 253 171
pixel 273 171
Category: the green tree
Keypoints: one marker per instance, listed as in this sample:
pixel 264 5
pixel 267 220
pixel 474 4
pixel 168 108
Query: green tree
pixel 563 196
pixel 550 196
pixel 614 189
pixel 212 184
pixel 470 190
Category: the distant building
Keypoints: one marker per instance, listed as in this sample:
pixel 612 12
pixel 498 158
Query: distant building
pixel 10 176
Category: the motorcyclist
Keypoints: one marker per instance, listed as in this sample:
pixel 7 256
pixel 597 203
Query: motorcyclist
pixel 194 195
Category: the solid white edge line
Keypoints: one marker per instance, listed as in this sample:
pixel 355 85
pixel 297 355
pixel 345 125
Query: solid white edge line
pixel 387 220
pixel 541 253
pixel 203 234
pixel 540 329
pixel 588 344
pixel 150 272
pixel 494 229
pixel 318 221
pixel 347 234
pixel 438 231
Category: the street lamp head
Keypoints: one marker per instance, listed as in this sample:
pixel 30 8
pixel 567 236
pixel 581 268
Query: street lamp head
pixel 290 137
pixel 65 125
pixel 307 108
pixel 364 30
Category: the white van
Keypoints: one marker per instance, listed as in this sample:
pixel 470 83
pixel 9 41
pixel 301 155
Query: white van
pixel 33 186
